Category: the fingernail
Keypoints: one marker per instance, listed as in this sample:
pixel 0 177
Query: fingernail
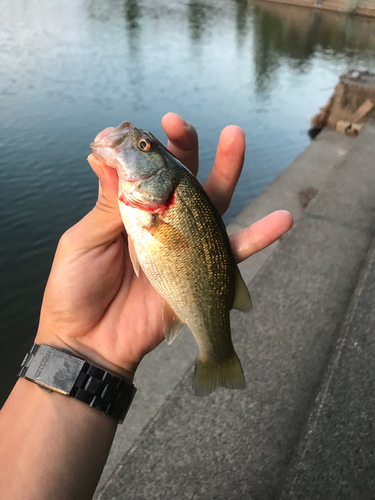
pixel 187 124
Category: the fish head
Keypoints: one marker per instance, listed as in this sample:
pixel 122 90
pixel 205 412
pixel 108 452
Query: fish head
pixel 130 150
pixel 144 165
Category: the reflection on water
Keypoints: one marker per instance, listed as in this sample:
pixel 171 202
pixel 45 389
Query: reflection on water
pixel 71 68
pixel 299 35
pixel 198 12
pixel 133 20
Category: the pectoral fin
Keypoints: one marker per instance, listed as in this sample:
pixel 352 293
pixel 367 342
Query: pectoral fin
pixel 242 300
pixel 133 256
pixel 167 234
pixel 171 323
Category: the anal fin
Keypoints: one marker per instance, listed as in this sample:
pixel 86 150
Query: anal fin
pixel 242 300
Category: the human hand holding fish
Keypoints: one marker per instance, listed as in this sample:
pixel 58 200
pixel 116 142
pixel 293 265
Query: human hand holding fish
pixel 99 301
pixel 97 307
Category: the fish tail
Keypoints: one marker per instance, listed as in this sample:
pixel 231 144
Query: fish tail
pixel 210 376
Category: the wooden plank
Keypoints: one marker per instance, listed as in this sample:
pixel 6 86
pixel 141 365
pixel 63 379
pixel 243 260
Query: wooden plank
pixel 362 111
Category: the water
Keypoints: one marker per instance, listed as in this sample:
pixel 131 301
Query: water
pixel 69 69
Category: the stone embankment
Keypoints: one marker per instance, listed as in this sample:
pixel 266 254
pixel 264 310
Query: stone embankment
pixel 355 7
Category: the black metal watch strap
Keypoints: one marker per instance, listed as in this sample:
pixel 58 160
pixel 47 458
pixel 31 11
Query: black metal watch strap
pixel 104 391
pixel 56 370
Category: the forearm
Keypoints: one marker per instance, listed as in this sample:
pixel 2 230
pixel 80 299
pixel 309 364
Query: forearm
pixel 51 446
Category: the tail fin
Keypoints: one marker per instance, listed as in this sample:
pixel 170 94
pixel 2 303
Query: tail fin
pixel 210 376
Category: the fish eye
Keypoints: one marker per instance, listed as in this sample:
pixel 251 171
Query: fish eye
pixel 144 144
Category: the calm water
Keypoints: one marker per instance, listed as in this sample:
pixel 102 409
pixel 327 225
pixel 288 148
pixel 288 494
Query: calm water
pixel 69 69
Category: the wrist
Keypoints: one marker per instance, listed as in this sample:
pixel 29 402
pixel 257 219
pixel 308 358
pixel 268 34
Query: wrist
pixel 47 438
pixel 62 406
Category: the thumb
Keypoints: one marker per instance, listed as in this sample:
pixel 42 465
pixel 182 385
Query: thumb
pixel 103 224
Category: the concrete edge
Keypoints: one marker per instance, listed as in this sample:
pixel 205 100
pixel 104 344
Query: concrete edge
pixel 287 354
pixel 306 174
pixel 313 416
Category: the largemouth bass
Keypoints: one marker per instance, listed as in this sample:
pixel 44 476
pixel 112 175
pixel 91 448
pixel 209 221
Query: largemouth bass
pixel 179 240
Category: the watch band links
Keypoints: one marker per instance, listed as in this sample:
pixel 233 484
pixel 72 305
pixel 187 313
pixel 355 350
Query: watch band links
pixel 78 379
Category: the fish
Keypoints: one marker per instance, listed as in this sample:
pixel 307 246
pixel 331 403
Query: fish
pixel 178 239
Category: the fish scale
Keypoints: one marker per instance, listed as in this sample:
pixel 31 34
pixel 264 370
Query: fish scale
pixel 211 259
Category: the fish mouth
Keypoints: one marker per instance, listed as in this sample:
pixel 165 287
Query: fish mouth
pixel 115 138
pixel 110 145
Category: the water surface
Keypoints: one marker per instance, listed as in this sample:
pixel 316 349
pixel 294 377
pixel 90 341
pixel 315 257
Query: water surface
pixel 72 68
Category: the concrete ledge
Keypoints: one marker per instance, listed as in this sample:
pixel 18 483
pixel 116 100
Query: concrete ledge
pixel 240 444
pixel 336 458
pixel 162 370
pixel 293 189
pixel 353 7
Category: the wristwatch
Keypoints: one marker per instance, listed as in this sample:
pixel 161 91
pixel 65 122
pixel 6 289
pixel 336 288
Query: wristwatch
pixel 56 370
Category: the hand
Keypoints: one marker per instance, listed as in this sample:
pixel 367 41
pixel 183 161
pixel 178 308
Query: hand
pixel 94 305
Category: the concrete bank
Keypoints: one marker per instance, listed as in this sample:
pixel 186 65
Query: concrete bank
pixel 336 457
pixel 162 370
pixel 241 444
pixel 353 7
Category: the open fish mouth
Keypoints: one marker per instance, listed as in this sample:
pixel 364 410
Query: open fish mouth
pixel 109 146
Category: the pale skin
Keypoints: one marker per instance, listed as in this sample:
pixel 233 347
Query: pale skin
pixel 95 306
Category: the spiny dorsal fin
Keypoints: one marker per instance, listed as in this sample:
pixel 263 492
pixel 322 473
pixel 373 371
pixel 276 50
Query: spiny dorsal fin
pixel 242 300
pixel 133 256
pixel 171 323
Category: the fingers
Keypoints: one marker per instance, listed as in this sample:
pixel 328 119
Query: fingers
pixel 260 234
pixel 227 168
pixel 103 224
pixel 108 180
pixel 182 140
pixel 183 143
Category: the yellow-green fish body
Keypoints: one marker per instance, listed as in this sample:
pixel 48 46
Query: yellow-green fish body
pixel 179 240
